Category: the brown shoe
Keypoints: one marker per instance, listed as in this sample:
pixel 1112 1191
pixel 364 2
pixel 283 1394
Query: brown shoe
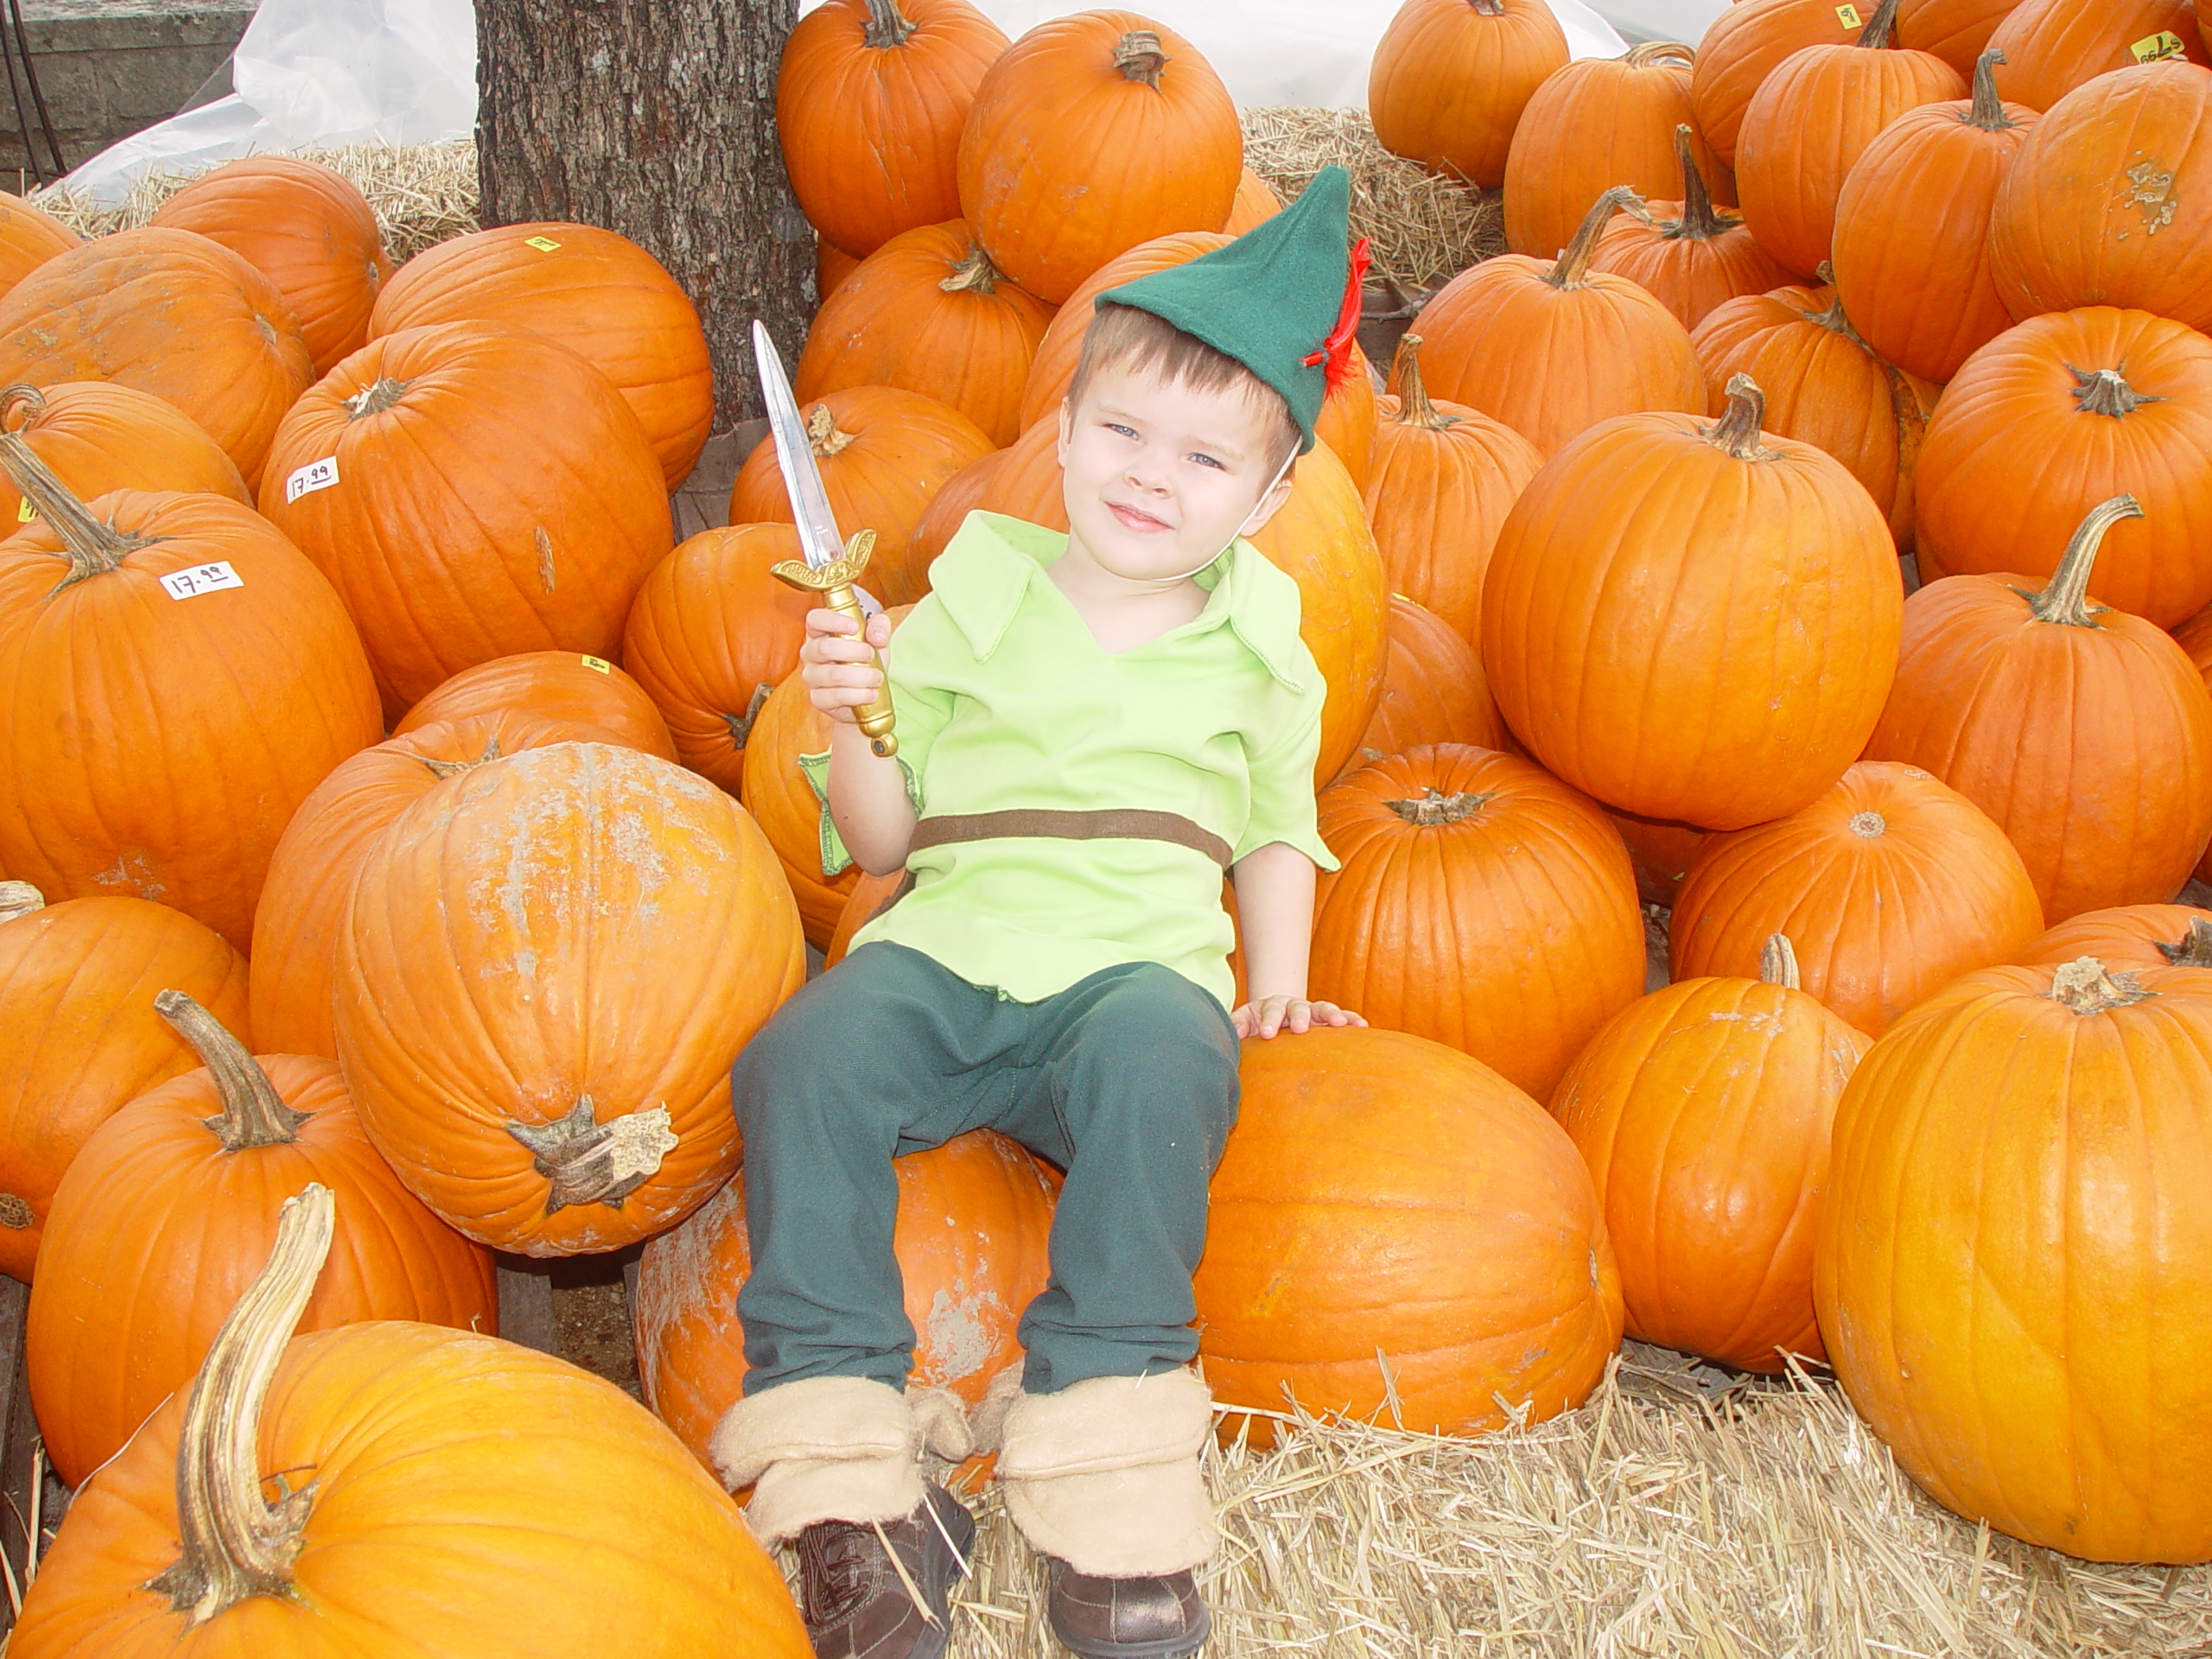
pixel 1127 1618
pixel 851 1596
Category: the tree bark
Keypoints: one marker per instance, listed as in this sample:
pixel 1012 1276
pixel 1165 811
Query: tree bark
pixel 656 118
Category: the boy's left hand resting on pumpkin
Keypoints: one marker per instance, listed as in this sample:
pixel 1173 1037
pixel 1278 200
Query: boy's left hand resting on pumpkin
pixel 1293 1014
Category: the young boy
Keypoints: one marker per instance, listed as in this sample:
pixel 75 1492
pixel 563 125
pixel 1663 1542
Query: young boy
pixel 1091 728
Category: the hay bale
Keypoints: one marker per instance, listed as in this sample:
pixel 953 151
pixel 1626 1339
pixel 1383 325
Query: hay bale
pixel 1422 229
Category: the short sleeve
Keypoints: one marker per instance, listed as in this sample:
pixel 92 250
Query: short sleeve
pixel 1283 807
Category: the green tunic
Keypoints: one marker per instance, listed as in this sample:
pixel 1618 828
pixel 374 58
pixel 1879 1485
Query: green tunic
pixel 1006 702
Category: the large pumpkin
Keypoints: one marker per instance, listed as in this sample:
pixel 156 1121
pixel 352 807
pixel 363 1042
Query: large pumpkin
pixel 599 294
pixel 1890 884
pixel 928 312
pixel 1912 229
pixel 1397 1234
pixel 556 685
pixel 309 230
pixel 1691 620
pixel 311 873
pixel 1053 367
pixel 2009 1269
pixel 1811 120
pixel 29 237
pixel 79 1038
pixel 948 510
pixel 2084 732
pixel 2056 414
pixel 1661 854
pixel 2051 47
pixel 130 1291
pixel 1091 134
pixel 1747 42
pixel 789 812
pixel 96 436
pixel 1450 79
pixel 1481 903
pixel 547 966
pixel 472 492
pixel 1433 691
pixel 1703 1111
pixel 386 1487
pixel 1257 203
pixel 169 313
pixel 870 98
pixel 1689 255
pixel 710 634
pixel 2127 936
pixel 2109 202
pixel 217 669
pixel 1442 480
pixel 1956 31
pixel 975 1215
pixel 1551 347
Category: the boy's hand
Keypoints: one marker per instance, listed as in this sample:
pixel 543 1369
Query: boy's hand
pixel 838 665
pixel 1293 1014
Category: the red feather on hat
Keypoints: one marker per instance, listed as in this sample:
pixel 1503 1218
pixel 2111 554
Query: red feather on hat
pixel 1335 350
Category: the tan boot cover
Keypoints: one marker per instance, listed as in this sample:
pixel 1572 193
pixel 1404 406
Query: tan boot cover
pixel 834 1448
pixel 1104 1474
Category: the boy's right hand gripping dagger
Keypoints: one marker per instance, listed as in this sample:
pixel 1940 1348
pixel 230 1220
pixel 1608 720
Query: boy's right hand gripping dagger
pixel 833 564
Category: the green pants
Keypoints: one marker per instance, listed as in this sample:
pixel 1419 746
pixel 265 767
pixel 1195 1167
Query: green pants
pixel 1128 1080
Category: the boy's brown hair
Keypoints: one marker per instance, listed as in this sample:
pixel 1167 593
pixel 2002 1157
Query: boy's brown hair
pixel 1125 336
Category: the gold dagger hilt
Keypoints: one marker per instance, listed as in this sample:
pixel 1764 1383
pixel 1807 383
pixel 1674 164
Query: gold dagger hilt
pixel 834 582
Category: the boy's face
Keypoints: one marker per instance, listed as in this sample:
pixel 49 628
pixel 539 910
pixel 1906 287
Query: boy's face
pixel 1160 478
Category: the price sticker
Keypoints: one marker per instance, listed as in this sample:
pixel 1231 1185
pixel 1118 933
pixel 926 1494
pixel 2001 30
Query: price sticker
pixel 597 664
pixel 25 512
pixel 201 579
pixel 2165 44
pixel 315 476
pixel 543 244
pixel 1848 16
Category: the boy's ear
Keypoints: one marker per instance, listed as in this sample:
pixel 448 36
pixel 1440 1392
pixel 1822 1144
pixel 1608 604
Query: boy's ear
pixel 1270 504
pixel 1067 430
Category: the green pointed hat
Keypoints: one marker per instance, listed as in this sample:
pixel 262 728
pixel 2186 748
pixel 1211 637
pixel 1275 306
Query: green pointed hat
pixel 1282 298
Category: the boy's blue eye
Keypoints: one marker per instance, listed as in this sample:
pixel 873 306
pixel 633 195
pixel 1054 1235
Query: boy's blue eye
pixel 1120 430
pixel 1204 460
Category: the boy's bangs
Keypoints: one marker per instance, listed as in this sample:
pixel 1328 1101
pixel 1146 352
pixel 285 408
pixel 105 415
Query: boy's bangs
pixel 1137 342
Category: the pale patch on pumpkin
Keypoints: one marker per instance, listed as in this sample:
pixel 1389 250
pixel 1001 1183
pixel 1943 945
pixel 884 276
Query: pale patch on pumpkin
pixel 2151 193
pixel 134 870
pixel 958 1333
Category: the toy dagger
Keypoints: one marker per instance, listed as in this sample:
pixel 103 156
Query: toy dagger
pixel 833 564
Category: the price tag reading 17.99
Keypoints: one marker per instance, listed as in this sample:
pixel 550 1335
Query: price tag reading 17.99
pixel 201 579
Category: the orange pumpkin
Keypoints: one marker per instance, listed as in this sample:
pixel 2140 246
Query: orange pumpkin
pixel 1433 691
pixel 1689 255
pixel 309 230
pixel 870 98
pixel 490 492
pixel 1703 1111
pixel 2127 936
pixel 2084 732
pixel 2109 202
pixel 1090 134
pixel 1811 120
pixel 2008 1271
pixel 29 237
pixel 1481 903
pixel 1912 229
pixel 832 264
pixel 1053 367
pixel 1746 44
pixel 79 1038
pixel 597 293
pixel 1661 854
pixel 1553 347
pixel 2195 638
pixel 1443 479
pixel 948 510
pixel 169 313
pixel 1597 122
pixel 98 437
pixel 555 685
pixel 1348 417
pixel 130 1293
pixel 437 1456
pixel 553 1075
pixel 869 895
pixel 1890 884
pixel 928 312
pixel 1956 31
pixel 2050 418
pixel 2051 47
pixel 1397 1234
pixel 1255 203
pixel 710 634
pixel 791 815
pixel 1693 621
pixel 1450 79
pixel 974 1218
pixel 303 904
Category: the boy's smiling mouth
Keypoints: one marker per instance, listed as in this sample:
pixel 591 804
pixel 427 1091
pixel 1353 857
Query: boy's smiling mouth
pixel 1135 519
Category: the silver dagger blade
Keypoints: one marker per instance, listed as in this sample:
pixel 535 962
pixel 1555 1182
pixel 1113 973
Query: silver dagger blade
pixel 819 535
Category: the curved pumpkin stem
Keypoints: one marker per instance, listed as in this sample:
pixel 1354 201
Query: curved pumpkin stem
pixel 2194 948
pixel 254 1113
pixel 1738 431
pixel 1572 268
pixel 1881 30
pixel 741 726
pixel 455 768
pixel 2106 391
pixel 1415 408
pixel 1700 221
pixel 1779 962
pixel 1138 56
pixel 1488 8
pixel 19 899
pixel 376 397
pixel 887 25
pixel 92 548
pixel 824 437
pixel 2087 986
pixel 1650 51
pixel 236 1544
pixel 2066 600
pixel 1987 111
pixel 590 1162
pixel 974 275
pixel 1434 808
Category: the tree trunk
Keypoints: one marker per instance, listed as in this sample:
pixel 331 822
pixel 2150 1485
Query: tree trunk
pixel 656 118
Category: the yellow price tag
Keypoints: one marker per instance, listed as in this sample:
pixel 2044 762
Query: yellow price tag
pixel 543 244
pixel 2165 44
pixel 25 512
pixel 1848 16
pixel 597 664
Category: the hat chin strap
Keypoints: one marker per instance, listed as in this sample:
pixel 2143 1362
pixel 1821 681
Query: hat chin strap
pixel 1281 472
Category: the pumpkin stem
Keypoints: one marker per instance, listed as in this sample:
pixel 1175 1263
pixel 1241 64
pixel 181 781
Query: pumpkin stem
pixel 741 726
pixel 2066 600
pixel 591 1162
pixel 376 397
pixel 1880 32
pixel 254 1113
pixel 19 899
pixel 2087 986
pixel 886 26
pixel 236 1544
pixel 92 548
pixel 1488 8
pixel 822 435
pixel 1572 265
pixel 1138 56
pixel 2106 391
pixel 1433 809
pixel 1738 431
pixel 1779 962
pixel 1651 51
pixel 974 275
pixel 1833 319
pixel 1700 222
pixel 1415 408
pixel 1988 110
pixel 2194 948
pixel 455 768
pixel 1868 825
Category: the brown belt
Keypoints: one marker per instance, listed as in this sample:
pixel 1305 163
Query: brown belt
pixel 1041 823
